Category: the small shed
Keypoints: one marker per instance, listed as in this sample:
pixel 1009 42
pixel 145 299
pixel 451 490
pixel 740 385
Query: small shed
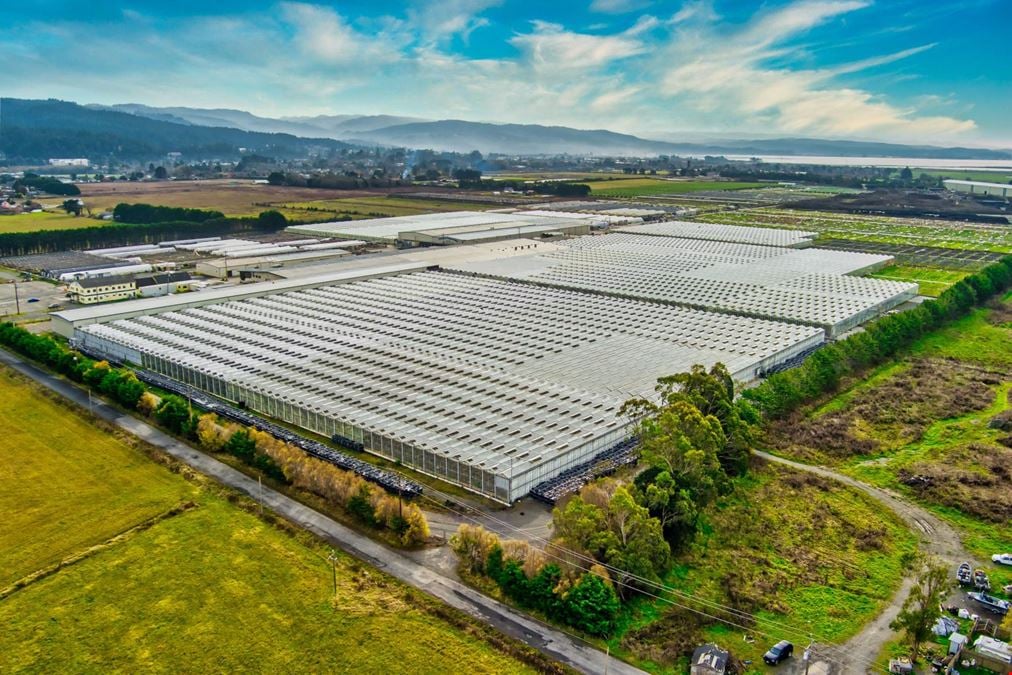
pixel 709 659
pixel 957 641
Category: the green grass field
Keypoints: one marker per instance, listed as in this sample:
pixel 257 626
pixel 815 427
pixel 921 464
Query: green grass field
pixel 932 280
pixel 211 589
pixel 67 486
pixel 790 548
pixel 637 187
pixel 47 220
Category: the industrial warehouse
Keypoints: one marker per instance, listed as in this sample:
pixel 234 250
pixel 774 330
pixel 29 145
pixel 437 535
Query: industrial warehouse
pixel 479 380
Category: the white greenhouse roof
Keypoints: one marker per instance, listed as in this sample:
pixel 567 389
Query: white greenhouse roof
pixel 799 285
pixel 764 236
pixel 487 371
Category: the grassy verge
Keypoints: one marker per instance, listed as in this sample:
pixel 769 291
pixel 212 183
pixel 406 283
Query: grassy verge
pixel 211 588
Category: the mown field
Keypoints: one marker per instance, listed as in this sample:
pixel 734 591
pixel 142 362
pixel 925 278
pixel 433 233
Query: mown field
pixel 212 588
pixel 637 187
pixel 790 548
pixel 944 234
pixel 925 425
pixel 67 486
pixel 932 280
pixel 47 220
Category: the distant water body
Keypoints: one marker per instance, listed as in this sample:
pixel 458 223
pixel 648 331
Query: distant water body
pixel 896 162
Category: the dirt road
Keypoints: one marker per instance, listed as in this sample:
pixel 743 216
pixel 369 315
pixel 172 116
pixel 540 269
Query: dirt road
pixel 938 538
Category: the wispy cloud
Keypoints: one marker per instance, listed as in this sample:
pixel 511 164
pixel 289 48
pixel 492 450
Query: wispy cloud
pixel 799 101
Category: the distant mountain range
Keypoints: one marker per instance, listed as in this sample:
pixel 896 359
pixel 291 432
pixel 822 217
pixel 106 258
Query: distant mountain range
pixel 62 129
pixel 32 131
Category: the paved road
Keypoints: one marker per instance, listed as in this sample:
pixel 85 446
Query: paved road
pixel 938 538
pixel 555 644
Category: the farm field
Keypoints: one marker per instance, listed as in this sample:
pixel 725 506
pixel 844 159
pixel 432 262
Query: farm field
pixel 378 206
pixel 207 587
pixel 922 426
pixel 47 220
pixel 67 485
pixel 636 187
pixel 854 227
pixel 231 197
pixel 783 546
pixel 932 280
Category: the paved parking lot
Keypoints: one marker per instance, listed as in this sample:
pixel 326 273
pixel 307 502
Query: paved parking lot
pixel 16 294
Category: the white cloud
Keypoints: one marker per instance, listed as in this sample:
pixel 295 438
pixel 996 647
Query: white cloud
pixel 737 81
pixel 327 36
pixel 438 21
pixel 551 46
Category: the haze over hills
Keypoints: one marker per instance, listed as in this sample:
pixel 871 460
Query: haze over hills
pixel 60 129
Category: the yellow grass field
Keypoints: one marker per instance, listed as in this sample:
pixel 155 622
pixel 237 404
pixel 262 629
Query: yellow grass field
pixel 47 220
pixel 67 486
pixel 211 589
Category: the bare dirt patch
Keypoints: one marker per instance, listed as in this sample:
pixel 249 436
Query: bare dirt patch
pixel 894 413
pixel 973 478
pixel 1000 314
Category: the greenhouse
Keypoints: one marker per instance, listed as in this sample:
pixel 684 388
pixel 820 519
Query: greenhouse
pixel 811 286
pixel 763 236
pixel 481 382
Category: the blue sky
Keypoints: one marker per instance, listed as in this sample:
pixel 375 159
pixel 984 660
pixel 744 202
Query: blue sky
pixel 897 70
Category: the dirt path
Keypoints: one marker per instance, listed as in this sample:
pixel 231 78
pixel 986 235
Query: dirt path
pixel 937 537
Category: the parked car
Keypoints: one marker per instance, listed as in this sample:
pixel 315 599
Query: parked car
pixel 55 305
pixel 779 652
pixel 1002 558
pixel 33 299
pixel 996 605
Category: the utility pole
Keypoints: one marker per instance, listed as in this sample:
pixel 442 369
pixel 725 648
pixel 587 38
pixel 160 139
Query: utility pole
pixel 333 566
pixel 260 482
pixel 807 657
pixel 91 410
pixel 17 299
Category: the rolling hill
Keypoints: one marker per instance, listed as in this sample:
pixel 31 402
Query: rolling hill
pixel 32 131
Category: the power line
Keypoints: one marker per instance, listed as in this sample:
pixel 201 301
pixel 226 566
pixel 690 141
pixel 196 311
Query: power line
pixel 833 649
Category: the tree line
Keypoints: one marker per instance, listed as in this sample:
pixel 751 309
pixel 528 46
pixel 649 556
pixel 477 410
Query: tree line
pixel 782 393
pixel 53 186
pixel 366 502
pixel 585 600
pixel 145 214
pixel 25 243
